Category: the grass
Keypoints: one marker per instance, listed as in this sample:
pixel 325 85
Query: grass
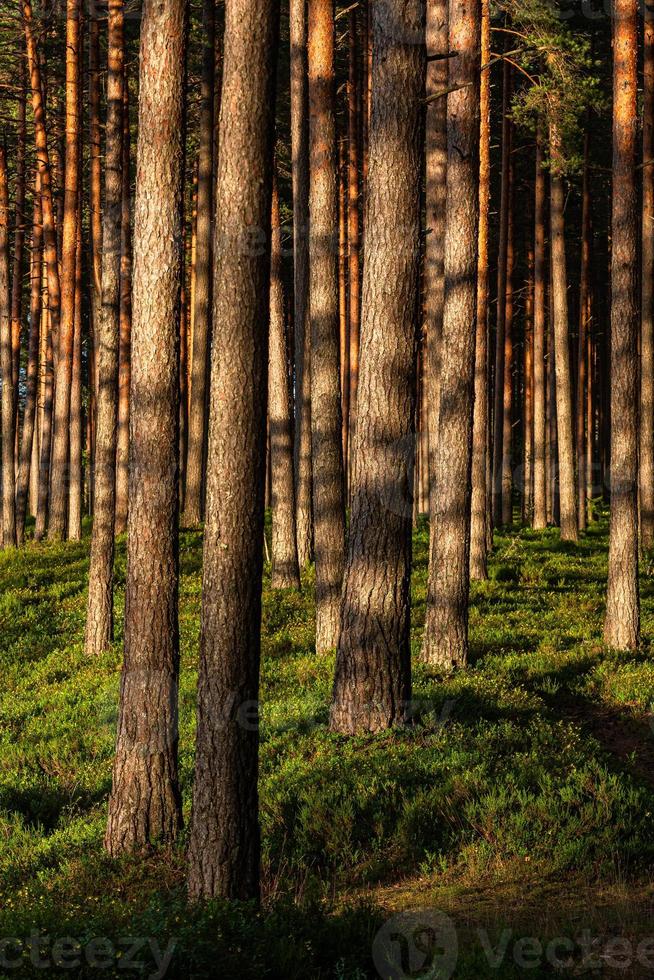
pixel 521 798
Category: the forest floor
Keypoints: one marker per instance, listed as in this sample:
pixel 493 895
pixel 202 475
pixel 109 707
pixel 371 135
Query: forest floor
pixel 516 810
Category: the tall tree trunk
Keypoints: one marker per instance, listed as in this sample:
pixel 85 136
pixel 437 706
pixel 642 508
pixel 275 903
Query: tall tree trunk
pixel 6 365
pixel 100 615
pixel 343 320
pixel 479 507
pixel 436 82
pixel 95 237
pixel 75 496
pixel 224 848
pixel 507 385
pixel 145 802
pixel 563 381
pixel 582 353
pixel 300 165
pixel 528 392
pixel 446 625
pixel 621 627
pixel 285 568
pixel 647 295
pixel 64 360
pixel 19 232
pixel 328 497
pixel 195 466
pixel 354 274
pixel 372 685
pixel 31 381
pixel 125 328
pixel 539 520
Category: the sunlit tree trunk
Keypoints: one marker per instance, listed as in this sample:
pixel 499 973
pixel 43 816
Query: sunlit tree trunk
pixel 647 294
pixel 75 496
pixel 125 328
pixel 19 231
pixel 6 365
pixel 353 235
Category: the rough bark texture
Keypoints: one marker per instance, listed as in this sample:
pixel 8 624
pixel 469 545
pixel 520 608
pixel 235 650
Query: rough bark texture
pixel 19 229
pixel 621 627
pixel 145 803
pixel 435 191
pixel 507 384
pixel 64 360
pixel 6 365
pixel 285 568
pixel 372 685
pixel 540 411
pixel 582 343
pixel 563 380
pixel 446 622
pixel 75 495
pixel 300 165
pixel 353 236
pixel 328 497
pixel 197 429
pixel 99 622
pixel 647 295
pixel 479 508
pixel 31 379
pixel 224 838
pixel 528 390
pixel 125 329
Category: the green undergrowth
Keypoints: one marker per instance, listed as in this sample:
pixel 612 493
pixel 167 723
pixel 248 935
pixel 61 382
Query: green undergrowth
pixel 506 774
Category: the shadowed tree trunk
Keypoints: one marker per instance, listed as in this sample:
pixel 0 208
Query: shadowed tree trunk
pixel 354 274
pixel 100 615
pixel 328 497
pixel 195 465
pixel 372 685
pixel 647 295
pixel 6 365
pixel 344 325
pixel 31 380
pixel 563 381
pixel 125 329
pixel 507 385
pixel 285 569
pixel 528 387
pixel 479 515
pixel 446 625
pixel 621 627
pixel 224 844
pixel 300 165
pixel 584 286
pixel 145 802
pixel 435 191
pixel 95 235
pixel 66 335
pixel 75 496
pixel 539 520
pixel 19 230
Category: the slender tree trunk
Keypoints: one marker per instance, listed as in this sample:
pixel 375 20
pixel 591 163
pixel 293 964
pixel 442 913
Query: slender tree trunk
pixel 528 388
pixel 145 802
pixel 95 222
pixel 194 498
pixel 224 845
pixel 19 233
pixel 540 410
pixel 582 353
pixel 328 497
pixel 621 627
pixel 64 361
pixel 446 626
pixel 28 441
pixel 507 384
pixel 500 338
pixel 435 193
pixel 285 568
pixel 372 685
pixel 6 365
pixel 75 497
pixel 344 324
pixel 479 507
pixel 125 328
pixel 300 164
pixel 647 295
pixel 563 381
pixel 99 622
pixel 353 233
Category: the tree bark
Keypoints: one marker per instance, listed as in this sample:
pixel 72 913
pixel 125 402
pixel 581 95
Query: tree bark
pixel 285 568
pixel 224 843
pixel 528 392
pixel 372 685
pixel 99 622
pixel 647 295
pixel 621 627
pixel 563 381
pixel 64 361
pixel 446 625
pixel 196 457
pixel 479 506
pixel 75 496
pixel 507 384
pixel 300 166
pixel 125 328
pixel 6 365
pixel 582 353
pixel 539 520
pixel 353 233
pixel 328 496
pixel 145 802
pixel 19 232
